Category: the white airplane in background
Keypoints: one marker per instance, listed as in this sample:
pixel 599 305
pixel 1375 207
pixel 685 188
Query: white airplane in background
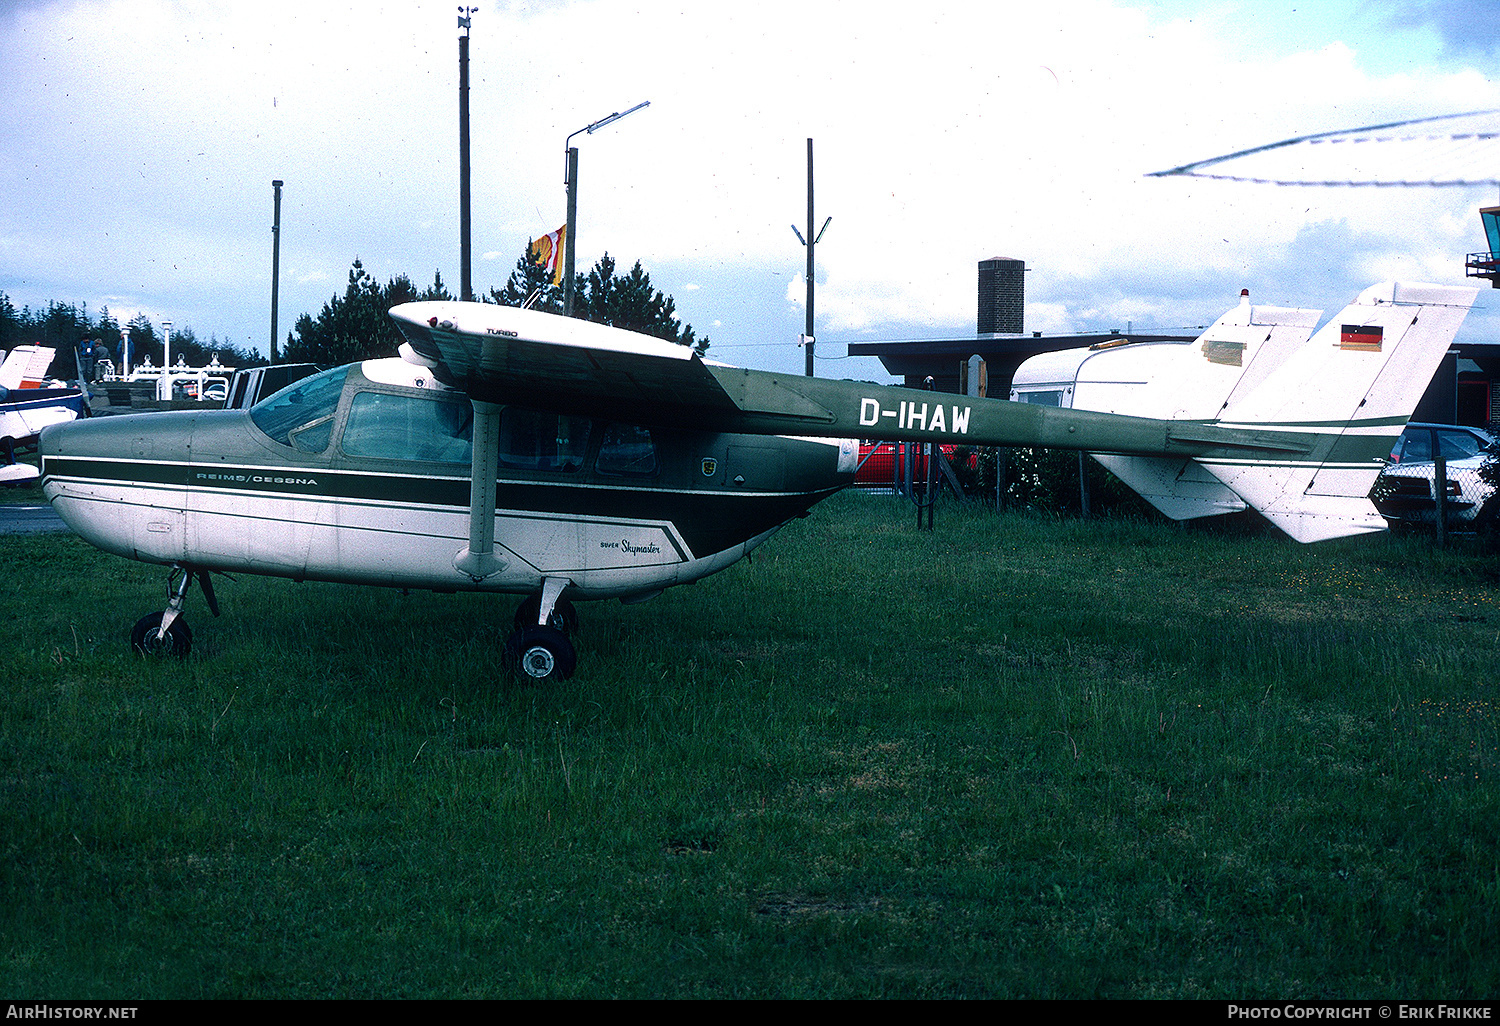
pixel 519 452
pixel 29 402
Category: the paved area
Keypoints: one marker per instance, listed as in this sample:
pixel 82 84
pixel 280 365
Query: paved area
pixel 30 520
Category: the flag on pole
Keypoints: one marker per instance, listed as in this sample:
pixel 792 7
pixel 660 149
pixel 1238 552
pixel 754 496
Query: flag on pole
pixel 548 251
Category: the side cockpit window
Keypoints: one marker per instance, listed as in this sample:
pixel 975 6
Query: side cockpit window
pixel 301 415
pixel 533 440
pixel 431 429
pixel 627 450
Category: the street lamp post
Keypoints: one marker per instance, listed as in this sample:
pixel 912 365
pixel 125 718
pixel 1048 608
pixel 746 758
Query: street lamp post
pixel 571 181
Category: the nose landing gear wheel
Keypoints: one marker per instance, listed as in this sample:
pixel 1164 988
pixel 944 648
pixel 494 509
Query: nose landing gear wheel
pixel 537 653
pixel 150 640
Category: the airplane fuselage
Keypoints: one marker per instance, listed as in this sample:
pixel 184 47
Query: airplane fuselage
pixel 362 475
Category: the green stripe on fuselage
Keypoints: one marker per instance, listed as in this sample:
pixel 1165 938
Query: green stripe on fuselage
pixel 709 521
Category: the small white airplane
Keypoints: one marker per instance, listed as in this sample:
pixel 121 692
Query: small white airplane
pixel 29 402
pixel 520 452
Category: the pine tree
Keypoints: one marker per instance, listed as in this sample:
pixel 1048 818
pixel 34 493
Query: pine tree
pixel 63 326
pixel 10 323
pixel 437 290
pixel 354 326
pixel 631 303
pixel 530 279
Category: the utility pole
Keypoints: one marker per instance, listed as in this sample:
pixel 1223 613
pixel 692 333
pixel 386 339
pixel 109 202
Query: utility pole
pixel 275 261
pixel 466 270
pixel 808 338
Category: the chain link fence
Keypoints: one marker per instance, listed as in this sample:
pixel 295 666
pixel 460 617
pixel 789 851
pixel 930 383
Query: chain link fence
pixel 1408 496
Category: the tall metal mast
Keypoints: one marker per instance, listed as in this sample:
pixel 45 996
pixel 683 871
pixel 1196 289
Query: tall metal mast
pixel 466 266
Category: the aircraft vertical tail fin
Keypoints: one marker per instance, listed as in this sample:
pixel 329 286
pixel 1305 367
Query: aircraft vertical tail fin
pixel 1350 390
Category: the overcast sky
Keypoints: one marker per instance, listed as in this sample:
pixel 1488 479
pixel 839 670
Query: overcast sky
pixel 139 139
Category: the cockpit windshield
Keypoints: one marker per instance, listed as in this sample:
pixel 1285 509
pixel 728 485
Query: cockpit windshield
pixel 301 415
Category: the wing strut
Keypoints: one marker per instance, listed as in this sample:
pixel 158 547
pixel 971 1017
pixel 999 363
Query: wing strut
pixel 478 559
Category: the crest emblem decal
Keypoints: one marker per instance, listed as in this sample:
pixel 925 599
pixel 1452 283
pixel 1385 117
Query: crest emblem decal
pixel 710 467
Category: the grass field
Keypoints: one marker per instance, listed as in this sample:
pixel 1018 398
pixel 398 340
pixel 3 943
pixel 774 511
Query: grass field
pixel 1016 757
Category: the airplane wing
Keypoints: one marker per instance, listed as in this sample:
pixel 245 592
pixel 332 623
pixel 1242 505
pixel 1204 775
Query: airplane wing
pixel 505 355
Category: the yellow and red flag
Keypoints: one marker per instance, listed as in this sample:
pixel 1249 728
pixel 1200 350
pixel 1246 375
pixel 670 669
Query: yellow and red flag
pixel 548 251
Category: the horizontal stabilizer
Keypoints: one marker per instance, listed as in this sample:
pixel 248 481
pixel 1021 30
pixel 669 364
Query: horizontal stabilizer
pixel 1196 381
pixel 1179 489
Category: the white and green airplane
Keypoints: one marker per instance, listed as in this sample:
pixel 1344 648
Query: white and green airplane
pixel 513 451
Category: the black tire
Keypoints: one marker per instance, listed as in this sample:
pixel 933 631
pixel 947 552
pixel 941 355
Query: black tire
pixel 148 640
pixel 564 617
pixel 538 654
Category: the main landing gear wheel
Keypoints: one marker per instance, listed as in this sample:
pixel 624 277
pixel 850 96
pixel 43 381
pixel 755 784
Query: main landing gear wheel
pixel 539 653
pixel 150 640
pixel 564 616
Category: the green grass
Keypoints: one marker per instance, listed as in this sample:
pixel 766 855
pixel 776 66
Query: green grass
pixel 1016 757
